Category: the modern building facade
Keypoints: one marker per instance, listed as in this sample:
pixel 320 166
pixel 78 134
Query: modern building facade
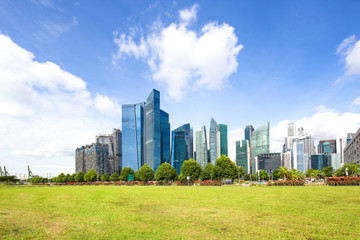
pixel 260 143
pixel 201 147
pixel 243 155
pixel 117 149
pixel 94 156
pixel 132 135
pixel 181 148
pixel 319 161
pixel 146 134
pixel 223 139
pixel 268 162
pixel 214 138
pixel 248 131
pixel 327 146
pixel 352 149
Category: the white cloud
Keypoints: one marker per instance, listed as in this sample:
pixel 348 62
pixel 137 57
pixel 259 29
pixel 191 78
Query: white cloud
pixel 45 113
pixel 184 60
pixel 188 15
pixel 356 101
pixel 349 48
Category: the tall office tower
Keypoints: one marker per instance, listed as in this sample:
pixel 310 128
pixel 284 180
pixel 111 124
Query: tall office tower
pixel 146 134
pixel 352 149
pixel 117 149
pixel 327 146
pixel 243 155
pixel 94 156
pixel 181 146
pixel 156 132
pixel 223 139
pixel 165 137
pixel 349 137
pixel 214 138
pixel 152 135
pixel 260 143
pixel 302 149
pixel 132 135
pixel 248 131
pixel 107 139
pixel 201 146
pixel 192 154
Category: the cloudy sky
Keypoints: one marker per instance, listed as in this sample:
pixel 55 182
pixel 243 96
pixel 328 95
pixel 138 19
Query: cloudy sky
pixel 67 66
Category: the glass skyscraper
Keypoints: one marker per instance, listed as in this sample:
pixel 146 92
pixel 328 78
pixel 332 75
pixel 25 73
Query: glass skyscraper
pixel 243 155
pixel 223 139
pixel 146 134
pixel 260 143
pixel 132 135
pixel 201 146
pixel 182 140
pixel 214 138
pixel 248 131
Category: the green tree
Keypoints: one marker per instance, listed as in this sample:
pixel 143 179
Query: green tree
pixel 190 168
pixel 90 176
pixel 283 172
pixel 146 173
pixel 125 173
pixel 241 171
pixel 165 172
pixel 224 168
pixel 328 171
pixel 79 177
pixel 136 176
pixel 66 179
pixel 353 169
pixel 263 175
pixel 208 172
pixel 276 174
pixel 60 178
pixel 72 178
pixel 114 177
pixel 311 173
pixel 105 177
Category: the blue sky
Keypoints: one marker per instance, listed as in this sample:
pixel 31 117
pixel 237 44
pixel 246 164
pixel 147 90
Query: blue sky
pixel 67 66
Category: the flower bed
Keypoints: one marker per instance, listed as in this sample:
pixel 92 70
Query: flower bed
pixel 343 181
pixel 184 183
pixel 287 182
pixel 210 183
pixel 163 183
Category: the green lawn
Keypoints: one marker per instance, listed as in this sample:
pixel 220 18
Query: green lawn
pixel 173 212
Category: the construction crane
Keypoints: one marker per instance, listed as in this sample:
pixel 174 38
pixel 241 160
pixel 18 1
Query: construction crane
pixel 30 174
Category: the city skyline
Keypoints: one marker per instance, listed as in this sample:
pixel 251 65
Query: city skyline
pixel 66 70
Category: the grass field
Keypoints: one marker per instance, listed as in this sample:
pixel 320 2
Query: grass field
pixel 173 212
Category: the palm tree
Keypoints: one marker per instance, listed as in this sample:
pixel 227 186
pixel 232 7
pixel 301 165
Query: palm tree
pixel 283 171
pixel 353 169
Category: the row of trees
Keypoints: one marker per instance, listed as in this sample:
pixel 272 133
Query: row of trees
pixel 224 168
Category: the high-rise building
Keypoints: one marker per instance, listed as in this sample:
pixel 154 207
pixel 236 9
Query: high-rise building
pixel 117 149
pixel 107 139
pixel 268 162
pixel 319 161
pixel 182 140
pixel 132 135
pixel 223 139
pixel 248 131
pixel 243 155
pixel 146 134
pixel 201 146
pixel 94 156
pixel 327 146
pixel 214 138
pixel 352 149
pixel 260 143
